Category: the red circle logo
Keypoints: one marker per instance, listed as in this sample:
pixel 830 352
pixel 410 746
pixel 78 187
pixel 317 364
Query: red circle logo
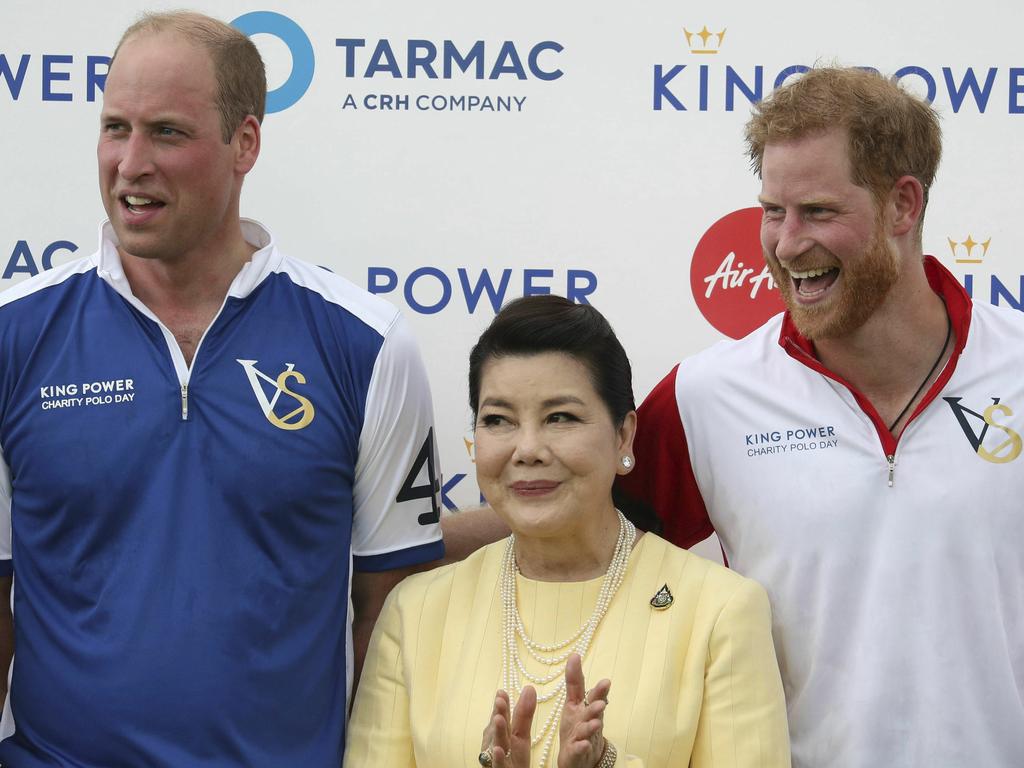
pixel 729 279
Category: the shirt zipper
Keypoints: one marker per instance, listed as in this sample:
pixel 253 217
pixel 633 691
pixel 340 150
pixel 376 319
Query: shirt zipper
pixel 958 308
pixel 888 439
pixel 181 368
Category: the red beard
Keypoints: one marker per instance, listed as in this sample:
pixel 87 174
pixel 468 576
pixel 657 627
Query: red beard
pixel 862 285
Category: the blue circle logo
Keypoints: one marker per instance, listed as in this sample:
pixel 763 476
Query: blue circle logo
pixel 268 22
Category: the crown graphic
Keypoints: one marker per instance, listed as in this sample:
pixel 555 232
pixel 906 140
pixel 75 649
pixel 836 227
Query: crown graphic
pixel 699 41
pixel 967 250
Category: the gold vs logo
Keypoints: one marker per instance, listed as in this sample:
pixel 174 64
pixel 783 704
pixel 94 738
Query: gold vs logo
pixel 297 418
pixel 1005 450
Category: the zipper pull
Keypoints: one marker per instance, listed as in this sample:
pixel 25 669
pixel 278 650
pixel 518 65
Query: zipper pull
pixel 184 412
pixel 892 466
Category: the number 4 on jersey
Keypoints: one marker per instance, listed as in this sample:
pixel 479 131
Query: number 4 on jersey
pixel 430 489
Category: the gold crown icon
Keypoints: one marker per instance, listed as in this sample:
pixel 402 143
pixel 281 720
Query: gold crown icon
pixel 971 257
pixel 698 41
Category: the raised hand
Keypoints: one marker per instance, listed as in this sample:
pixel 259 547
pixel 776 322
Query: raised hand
pixel 581 732
pixel 507 735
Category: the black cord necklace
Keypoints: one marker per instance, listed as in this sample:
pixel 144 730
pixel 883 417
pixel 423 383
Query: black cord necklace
pixel 949 332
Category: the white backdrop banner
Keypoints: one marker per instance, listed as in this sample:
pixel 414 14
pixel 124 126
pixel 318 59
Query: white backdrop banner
pixel 452 156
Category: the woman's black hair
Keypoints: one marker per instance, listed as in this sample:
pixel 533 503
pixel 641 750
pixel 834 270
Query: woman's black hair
pixel 533 325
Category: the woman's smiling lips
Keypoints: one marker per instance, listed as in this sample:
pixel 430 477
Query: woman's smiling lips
pixel 534 487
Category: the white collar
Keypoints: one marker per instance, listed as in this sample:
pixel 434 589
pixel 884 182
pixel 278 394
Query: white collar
pixel 264 261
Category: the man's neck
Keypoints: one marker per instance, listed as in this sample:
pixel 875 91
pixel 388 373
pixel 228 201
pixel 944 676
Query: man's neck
pixel 890 356
pixel 186 293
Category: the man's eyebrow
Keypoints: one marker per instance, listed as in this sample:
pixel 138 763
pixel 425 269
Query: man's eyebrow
pixel 165 118
pixel 809 202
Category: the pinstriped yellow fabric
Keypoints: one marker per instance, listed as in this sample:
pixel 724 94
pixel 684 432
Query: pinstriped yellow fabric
pixel 694 684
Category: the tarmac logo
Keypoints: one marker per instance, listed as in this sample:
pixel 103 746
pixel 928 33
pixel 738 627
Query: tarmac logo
pixel 297 418
pixel 299 46
pixel 1006 449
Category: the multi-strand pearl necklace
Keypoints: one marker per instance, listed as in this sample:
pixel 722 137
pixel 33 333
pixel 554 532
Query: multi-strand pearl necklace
pixel 512 666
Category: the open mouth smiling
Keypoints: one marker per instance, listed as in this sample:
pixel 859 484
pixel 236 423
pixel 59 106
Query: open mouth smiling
pixel 810 283
pixel 140 204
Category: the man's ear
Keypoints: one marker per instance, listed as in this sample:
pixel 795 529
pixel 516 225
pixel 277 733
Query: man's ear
pixel 905 205
pixel 247 143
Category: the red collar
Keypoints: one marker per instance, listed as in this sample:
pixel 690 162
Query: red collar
pixel 958 305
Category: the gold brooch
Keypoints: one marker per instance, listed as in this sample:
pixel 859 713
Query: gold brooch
pixel 662 599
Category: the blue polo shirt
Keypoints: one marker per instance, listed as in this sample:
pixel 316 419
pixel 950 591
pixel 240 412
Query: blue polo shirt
pixel 182 538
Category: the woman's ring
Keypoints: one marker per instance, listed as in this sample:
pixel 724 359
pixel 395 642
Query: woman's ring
pixel 485 758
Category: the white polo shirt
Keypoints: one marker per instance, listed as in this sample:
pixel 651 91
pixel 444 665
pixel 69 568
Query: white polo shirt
pixel 895 568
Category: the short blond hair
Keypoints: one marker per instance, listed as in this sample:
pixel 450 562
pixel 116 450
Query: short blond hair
pixel 237 64
pixel 891 132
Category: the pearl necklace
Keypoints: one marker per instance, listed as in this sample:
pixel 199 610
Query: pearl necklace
pixel 512 667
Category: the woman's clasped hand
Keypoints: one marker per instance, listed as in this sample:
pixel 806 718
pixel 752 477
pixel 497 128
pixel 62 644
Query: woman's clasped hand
pixel 507 741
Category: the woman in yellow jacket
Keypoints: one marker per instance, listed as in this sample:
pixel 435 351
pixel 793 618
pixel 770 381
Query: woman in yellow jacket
pixel 485 662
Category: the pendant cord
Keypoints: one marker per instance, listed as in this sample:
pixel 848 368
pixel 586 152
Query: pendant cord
pixel 942 352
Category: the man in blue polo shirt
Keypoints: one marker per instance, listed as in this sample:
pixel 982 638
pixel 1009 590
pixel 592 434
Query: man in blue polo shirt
pixel 216 460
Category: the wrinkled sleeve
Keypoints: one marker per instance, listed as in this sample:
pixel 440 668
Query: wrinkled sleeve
pixel 628 761
pixel 379 732
pixel 743 715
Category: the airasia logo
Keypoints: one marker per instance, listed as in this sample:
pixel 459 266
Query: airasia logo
pixel 730 281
